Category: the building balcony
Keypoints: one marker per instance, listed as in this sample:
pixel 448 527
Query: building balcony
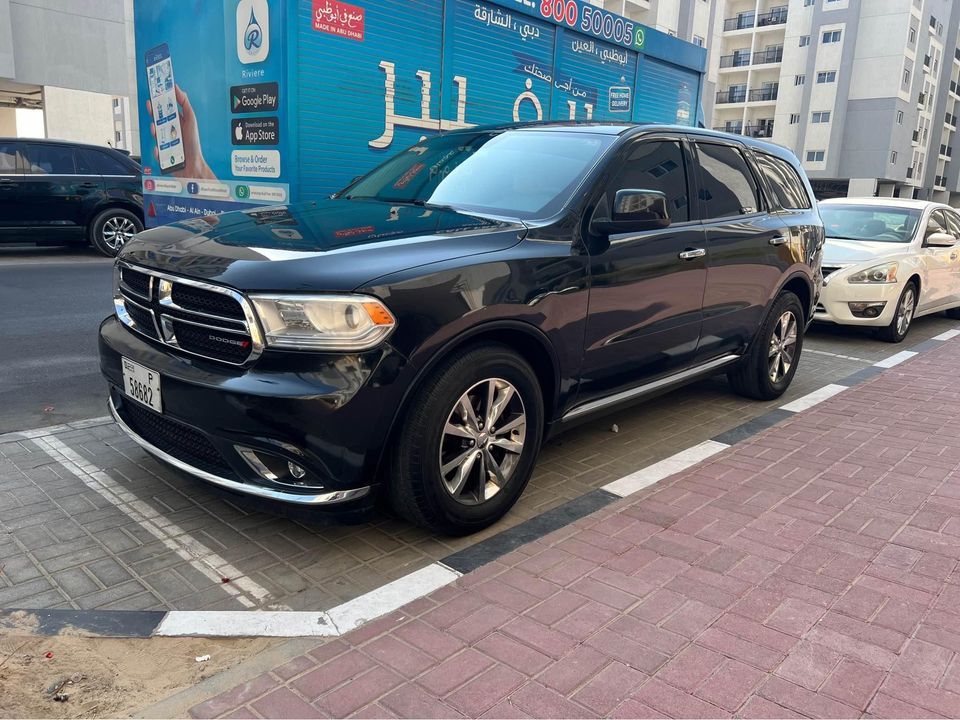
pixel 760 130
pixel 748 21
pixel 740 95
pixel 763 57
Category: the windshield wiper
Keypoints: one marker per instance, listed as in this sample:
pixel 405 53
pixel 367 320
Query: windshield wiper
pixel 397 201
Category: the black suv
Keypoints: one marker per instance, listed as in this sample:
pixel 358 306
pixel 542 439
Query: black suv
pixel 54 192
pixel 422 331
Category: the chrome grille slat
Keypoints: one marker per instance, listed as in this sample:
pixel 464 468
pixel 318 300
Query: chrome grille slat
pixel 232 340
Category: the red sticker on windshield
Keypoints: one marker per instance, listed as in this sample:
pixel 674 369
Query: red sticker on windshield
pixel 409 175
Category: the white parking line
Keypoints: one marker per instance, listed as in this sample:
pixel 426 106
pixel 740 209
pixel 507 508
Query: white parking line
pixel 948 335
pixel 895 359
pixel 652 474
pixel 817 396
pixel 332 623
pixel 837 355
pixel 247 592
pixel 54 429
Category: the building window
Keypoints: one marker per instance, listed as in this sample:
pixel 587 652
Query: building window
pixel 795 119
pixel 826 77
pixel 906 76
pixel 808 3
pixel 899 117
pixel 912 37
pixel 933 21
pixel 804 40
pixel 698 41
pixel 893 158
pixel 799 80
pixel 821 117
pixel 831 36
pixel 816 155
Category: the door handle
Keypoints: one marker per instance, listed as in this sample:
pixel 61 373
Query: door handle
pixel 953 256
pixel 89 185
pixel 692 254
pixel 779 240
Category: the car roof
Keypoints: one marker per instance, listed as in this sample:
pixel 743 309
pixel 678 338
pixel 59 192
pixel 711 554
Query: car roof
pixel 54 141
pixel 608 127
pixel 908 203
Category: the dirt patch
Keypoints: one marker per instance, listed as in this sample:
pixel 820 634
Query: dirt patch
pixel 106 677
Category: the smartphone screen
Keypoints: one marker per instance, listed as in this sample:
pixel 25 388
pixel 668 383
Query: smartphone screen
pixel 166 115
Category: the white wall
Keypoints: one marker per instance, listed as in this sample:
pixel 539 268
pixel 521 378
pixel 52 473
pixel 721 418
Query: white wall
pixel 78 115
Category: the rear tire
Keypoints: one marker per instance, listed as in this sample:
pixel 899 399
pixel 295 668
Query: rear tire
pixel 898 328
pixel 112 229
pixel 452 470
pixel 771 361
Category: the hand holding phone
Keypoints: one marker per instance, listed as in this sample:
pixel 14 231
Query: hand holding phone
pixel 173 123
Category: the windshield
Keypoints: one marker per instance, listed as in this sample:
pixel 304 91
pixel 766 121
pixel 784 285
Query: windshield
pixel 523 174
pixel 869 222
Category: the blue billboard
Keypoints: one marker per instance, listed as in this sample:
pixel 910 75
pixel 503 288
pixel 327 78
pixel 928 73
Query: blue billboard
pixel 268 101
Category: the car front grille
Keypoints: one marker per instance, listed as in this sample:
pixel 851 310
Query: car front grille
pixel 182 442
pixel 194 317
pixel 826 271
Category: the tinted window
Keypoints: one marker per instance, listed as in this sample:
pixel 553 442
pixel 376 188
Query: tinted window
pixel 728 187
pixel 936 224
pixel 103 163
pixel 656 165
pixel 517 173
pixel 953 222
pixel 8 158
pixel 50 160
pixel 783 180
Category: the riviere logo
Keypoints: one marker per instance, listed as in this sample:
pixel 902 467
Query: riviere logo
pixel 253 31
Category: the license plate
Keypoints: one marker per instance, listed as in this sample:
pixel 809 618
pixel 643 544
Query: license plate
pixel 142 384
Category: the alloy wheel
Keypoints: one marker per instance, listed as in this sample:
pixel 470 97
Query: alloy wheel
pixel 482 441
pixel 118 231
pixel 783 346
pixel 905 311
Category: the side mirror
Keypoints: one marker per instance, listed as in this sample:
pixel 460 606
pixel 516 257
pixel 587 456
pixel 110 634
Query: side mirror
pixel 940 240
pixel 636 211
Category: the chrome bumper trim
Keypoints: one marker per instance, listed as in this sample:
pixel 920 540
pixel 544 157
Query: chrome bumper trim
pixel 329 498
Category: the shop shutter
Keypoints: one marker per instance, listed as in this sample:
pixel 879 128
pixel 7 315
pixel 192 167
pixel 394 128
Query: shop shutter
pixel 594 79
pixel 666 93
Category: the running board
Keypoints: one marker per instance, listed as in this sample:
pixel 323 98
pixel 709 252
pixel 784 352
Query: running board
pixel 679 378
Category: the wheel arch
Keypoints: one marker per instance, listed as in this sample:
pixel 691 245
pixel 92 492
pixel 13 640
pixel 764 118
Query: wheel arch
pixel 114 204
pixel 801 286
pixel 529 341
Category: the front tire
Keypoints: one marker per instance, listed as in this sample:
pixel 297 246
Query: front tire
pixel 771 362
pixel 112 229
pixel 469 442
pixel 898 328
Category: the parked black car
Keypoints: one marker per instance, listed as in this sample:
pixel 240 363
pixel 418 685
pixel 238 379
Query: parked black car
pixel 54 192
pixel 425 329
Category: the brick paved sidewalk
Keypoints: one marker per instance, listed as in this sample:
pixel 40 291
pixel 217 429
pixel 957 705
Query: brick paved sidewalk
pixel 811 570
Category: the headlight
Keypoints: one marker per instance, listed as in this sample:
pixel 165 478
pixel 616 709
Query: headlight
pixel 877 274
pixel 323 322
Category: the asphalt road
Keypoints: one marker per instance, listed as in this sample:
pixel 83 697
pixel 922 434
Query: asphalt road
pixel 51 302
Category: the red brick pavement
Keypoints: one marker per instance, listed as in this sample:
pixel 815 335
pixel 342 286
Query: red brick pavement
pixel 810 571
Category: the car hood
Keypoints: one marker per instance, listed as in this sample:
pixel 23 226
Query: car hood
pixel 328 245
pixel 850 252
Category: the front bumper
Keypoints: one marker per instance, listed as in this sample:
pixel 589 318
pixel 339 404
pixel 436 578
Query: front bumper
pixel 836 296
pixel 327 414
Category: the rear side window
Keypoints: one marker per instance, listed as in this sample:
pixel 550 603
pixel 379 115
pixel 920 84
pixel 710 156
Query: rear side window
pixel 103 163
pixel 953 223
pixel 8 159
pixel 783 180
pixel 656 165
pixel 727 187
pixel 50 160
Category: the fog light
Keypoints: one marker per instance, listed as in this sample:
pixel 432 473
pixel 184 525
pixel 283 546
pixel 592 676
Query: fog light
pixel 866 310
pixel 296 471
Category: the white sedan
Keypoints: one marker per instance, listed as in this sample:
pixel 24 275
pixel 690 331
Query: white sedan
pixel 887 261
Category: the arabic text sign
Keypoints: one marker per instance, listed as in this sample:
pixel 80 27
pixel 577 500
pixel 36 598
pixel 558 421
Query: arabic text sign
pixel 339 18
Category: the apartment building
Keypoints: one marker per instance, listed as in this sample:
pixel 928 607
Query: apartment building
pixel 859 89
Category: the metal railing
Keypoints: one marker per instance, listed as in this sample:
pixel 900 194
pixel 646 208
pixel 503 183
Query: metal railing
pixel 762 57
pixel 777 16
pixel 761 130
pixel 764 94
